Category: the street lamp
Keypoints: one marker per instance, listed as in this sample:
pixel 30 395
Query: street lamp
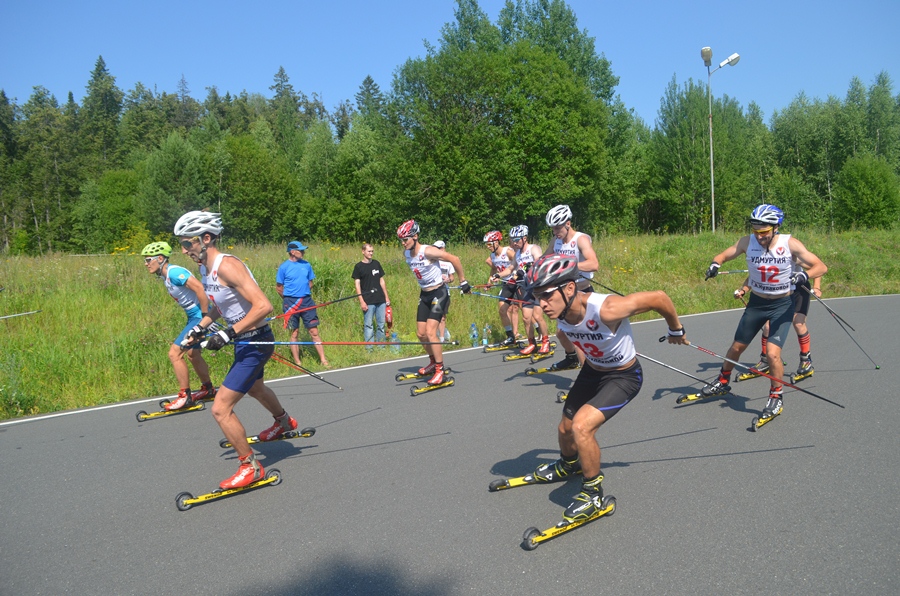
pixel 706 54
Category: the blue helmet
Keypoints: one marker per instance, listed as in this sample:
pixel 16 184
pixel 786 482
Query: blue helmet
pixel 767 214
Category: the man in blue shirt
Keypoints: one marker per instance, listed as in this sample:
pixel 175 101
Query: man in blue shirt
pixel 294 284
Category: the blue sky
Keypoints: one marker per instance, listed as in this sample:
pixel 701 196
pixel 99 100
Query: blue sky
pixel 786 46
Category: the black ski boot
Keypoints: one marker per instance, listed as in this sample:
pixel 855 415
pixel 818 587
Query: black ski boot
pixel 567 363
pixel 586 503
pixel 805 369
pixel 558 470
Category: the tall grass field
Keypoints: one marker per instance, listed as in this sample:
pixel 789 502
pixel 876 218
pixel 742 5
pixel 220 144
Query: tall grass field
pixel 106 324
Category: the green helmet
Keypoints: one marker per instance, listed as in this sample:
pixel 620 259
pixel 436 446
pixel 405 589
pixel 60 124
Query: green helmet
pixel 157 248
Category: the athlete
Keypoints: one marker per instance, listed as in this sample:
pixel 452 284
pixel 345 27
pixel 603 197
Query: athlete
pixel 237 298
pixel 770 261
pixel 447 273
pixel 575 244
pixel 801 298
pixel 188 292
pixel 598 324
pixel 525 255
pixel 502 262
pixel 434 299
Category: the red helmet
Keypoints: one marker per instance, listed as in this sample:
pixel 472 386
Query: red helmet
pixel 552 269
pixel 494 236
pixel 408 229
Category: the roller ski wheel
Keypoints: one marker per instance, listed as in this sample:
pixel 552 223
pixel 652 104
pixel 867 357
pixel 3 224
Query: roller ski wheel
pixel 185 501
pixel 561 396
pixel 765 418
pixel 304 433
pixel 414 376
pixel 143 416
pixel 533 537
pixel 416 390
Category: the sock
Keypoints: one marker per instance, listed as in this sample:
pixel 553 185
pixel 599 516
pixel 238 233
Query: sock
pixel 804 343
pixel 764 343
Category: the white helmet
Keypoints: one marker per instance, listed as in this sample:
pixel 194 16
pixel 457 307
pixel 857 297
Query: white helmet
pixel 518 232
pixel 195 223
pixel 559 215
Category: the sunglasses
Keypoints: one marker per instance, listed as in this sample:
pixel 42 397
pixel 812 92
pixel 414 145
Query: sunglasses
pixel 188 244
pixel 546 295
pixel 148 260
pixel 763 231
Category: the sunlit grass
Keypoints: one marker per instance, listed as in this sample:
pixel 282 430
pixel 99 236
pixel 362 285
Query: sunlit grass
pixel 105 324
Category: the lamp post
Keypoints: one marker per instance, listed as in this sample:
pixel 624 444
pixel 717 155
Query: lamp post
pixel 706 54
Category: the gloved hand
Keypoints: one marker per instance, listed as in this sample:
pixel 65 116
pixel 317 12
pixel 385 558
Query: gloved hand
pixel 713 270
pixel 196 334
pixel 464 287
pixel 219 340
pixel 520 274
pixel 799 278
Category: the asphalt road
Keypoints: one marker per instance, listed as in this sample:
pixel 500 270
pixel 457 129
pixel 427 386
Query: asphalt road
pixel 390 496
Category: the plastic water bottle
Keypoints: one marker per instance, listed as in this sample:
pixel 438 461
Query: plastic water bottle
pixel 485 339
pixel 473 335
pixel 395 348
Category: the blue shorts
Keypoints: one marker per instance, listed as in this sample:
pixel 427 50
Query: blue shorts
pixel 310 317
pixel 190 325
pixel 249 364
pixel 778 312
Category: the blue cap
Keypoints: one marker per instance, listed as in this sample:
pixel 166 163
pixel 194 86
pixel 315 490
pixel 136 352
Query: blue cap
pixel 295 245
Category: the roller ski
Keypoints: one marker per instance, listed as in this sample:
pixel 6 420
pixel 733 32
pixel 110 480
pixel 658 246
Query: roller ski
pixel 439 380
pixel 761 367
pixel 716 389
pixel 415 376
pixel 570 362
pixel 804 371
pixel 143 416
pixel 557 471
pixel 304 433
pixel 561 396
pixel 533 537
pixel 250 475
pixel 205 393
pixel 509 343
pixel 774 408
pixel 587 506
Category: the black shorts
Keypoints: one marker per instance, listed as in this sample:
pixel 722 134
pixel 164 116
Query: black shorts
pixel 434 304
pixel 779 312
pixel 507 290
pixel 801 299
pixel 526 295
pixel 608 391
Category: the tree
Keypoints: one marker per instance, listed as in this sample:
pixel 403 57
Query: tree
pixel 102 107
pixel 867 193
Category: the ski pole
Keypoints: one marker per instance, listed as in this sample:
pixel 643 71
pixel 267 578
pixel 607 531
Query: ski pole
pixel 21 314
pixel 343 343
pixel 294 310
pixel 734 271
pixel 737 294
pixel 759 372
pixel 597 283
pixel 828 308
pixel 671 367
pixel 838 320
pixel 279 358
pixel 501 298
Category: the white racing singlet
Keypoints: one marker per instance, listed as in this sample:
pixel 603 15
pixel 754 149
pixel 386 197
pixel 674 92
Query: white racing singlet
pixel 175 279
pixel 524 256
pixel 501 262
pixel 570 249
pixel 770 270
pixel 602 347
pixel 232 306
pixel 427 271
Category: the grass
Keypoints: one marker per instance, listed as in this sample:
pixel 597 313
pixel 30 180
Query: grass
pixel 106 324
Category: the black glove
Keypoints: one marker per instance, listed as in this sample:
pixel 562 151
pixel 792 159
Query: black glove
pixel 520 274
pixel 193 336
pixel 799 278
pixel 219 340
pixel 464 287
pixel 713 270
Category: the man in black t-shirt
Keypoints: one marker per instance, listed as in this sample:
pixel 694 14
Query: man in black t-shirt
pixel 368 275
